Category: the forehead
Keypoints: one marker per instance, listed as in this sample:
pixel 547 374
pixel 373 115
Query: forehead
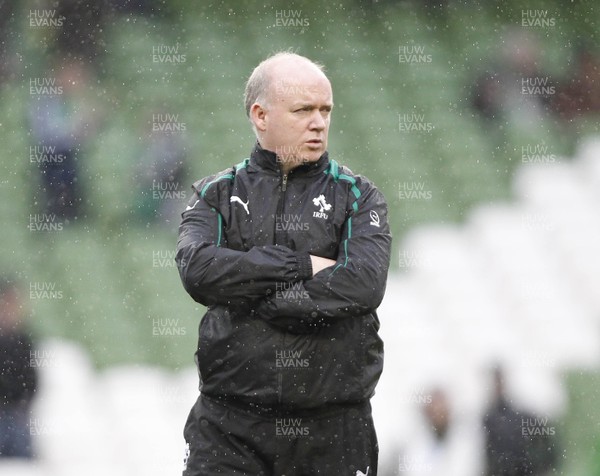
pixel 291 82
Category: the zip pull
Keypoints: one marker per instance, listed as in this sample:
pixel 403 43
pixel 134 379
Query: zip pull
pixel 284 182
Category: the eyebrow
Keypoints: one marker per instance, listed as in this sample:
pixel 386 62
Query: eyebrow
pixel 305 105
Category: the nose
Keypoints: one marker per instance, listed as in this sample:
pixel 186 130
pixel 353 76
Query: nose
pixel 317 121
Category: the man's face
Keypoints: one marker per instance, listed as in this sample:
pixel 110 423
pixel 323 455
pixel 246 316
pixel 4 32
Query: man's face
pixel 295 121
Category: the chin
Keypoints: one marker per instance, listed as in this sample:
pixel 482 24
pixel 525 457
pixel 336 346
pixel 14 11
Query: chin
pixel 313 155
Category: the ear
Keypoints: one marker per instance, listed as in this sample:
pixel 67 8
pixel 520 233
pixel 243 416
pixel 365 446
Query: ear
pixel 258 116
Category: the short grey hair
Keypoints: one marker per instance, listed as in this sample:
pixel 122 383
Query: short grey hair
pixel 257 86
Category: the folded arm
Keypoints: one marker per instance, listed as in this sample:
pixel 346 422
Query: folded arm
pixel 354 286
pixel 213 274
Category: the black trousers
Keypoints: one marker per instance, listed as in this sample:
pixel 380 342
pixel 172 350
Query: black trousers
pixel 233 439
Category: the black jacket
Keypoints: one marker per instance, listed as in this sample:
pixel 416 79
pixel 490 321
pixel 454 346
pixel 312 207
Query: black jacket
pixel 273 334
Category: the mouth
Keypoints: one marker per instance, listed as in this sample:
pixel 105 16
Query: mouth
pixel 314 141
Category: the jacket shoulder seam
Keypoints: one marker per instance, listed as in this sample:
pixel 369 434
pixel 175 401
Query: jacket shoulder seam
pixel 202 186
pixel 345 174
pixel 225 176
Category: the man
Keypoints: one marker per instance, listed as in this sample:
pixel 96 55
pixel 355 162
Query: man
pixel 515 443
pixel 290 252
pixel 18 379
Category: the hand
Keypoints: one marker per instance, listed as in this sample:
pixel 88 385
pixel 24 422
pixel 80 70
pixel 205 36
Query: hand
pixel 319 264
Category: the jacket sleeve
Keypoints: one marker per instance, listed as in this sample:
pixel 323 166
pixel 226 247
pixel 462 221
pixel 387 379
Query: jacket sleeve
pixel 213 274
pixel 354 286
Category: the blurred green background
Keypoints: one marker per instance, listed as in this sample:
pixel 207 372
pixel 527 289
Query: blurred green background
pixel 103 263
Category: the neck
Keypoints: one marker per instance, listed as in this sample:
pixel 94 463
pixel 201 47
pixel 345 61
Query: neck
pixel 287 167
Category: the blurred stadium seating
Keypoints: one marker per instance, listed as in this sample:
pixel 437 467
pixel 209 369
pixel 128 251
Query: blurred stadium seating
pixel 512 286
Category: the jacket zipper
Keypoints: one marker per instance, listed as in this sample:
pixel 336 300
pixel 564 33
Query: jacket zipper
pixel 280 208
pixel 279 236
pixel 280 376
